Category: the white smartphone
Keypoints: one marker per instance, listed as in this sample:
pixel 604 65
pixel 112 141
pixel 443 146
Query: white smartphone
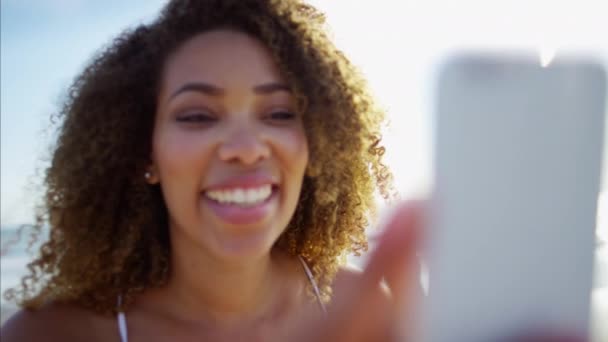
pixel 517 177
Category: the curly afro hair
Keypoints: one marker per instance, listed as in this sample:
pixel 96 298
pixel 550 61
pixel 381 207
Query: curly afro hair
pixel 109 228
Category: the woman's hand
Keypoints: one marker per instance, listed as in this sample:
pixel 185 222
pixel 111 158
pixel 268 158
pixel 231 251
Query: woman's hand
pixel 361 310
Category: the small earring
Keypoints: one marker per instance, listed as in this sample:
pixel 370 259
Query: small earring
pixel 147 175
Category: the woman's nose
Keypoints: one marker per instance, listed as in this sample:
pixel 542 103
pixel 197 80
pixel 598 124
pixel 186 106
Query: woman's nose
pixel 244 145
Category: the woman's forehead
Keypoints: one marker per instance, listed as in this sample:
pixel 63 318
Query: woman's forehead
pixel 224 58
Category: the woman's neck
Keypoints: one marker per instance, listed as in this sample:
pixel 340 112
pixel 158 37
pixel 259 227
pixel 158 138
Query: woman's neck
pixel 225 294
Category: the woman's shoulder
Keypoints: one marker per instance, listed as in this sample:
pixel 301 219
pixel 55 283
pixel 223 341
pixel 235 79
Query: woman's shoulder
pixel 56 322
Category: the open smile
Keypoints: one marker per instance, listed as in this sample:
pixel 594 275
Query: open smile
pixel 242 206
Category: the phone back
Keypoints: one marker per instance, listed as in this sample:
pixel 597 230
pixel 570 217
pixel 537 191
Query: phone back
pixel 517 171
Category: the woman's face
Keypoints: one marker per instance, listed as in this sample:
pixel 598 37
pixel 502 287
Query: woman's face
pixel 229 150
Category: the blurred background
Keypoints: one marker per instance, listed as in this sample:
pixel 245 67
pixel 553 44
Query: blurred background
pixel 396 44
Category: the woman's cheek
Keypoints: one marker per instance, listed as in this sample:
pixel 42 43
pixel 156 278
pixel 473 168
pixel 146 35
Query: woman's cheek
pixel 293 142
pixel 185 152
pixel 302 146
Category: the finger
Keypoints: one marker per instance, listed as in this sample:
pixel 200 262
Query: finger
pixel 370 314
pixel 395 257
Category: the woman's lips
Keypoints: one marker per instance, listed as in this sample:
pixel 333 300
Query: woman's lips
pixel 241 215
pixel 244 181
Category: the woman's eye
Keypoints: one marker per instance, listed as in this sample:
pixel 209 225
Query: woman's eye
pixel 282 116
pixel 196 118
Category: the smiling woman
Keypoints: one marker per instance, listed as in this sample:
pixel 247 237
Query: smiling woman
pixel 228 148
pixel 212 171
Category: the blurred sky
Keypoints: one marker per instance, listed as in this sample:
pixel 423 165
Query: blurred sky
pixel 45 43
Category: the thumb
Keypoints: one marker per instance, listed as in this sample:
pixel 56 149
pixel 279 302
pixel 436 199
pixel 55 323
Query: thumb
pixel 395 256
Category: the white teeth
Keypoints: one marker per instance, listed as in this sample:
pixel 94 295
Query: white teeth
pixel 251 196
pixel 238 196
pixel 241 196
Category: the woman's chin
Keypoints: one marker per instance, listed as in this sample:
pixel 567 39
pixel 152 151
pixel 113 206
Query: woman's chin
pixel 246 244
pixel 245 247
pixel 248 232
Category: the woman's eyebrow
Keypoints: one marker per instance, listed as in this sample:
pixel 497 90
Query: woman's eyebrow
pixel 200 87
pixel 208 89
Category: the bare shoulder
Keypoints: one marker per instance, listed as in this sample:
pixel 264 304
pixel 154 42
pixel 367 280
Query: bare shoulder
pixel 36 325
pixel 54 322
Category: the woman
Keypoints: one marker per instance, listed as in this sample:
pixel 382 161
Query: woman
pixel 212 171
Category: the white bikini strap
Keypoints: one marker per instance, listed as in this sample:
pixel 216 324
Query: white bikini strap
pixel 122 322
pixel 314 285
